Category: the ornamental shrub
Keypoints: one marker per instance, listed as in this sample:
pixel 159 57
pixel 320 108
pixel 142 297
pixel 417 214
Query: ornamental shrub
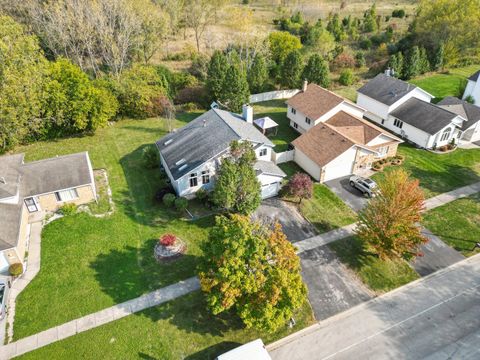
pixel 346 77
pixel 68 209
pixel 169 200
pixel 150 157
pixel 201 194
pixel 167 239
pixel 181 203
pixel 16 269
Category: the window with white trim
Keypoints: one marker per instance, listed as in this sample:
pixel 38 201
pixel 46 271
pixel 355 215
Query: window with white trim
pixel 295 125
pixel 263 152
pixel 205 177
pixel 446 134
pixel 308 121
pixel 382 151
pixel 294 111
pixel 66 195
pixel 398 123
pixel 193 180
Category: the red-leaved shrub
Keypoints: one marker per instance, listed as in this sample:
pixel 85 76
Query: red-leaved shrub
pixel 168 239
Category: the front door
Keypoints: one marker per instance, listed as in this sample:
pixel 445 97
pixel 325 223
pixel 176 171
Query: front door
pixel 31 205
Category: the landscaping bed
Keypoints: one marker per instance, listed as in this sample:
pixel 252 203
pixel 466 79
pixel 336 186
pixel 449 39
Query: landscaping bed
pixel 457 223
pixel 379 275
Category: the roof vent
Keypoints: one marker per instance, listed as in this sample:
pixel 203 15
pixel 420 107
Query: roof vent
pixel 169 141
pixel 183 167
pixel 2 180
pixel 180 162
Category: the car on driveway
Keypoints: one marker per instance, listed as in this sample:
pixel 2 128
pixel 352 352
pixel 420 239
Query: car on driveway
pixel 365 185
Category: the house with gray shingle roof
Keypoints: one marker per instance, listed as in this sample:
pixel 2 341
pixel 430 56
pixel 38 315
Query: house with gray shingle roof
pixel 473 88
pixel 192 154
pixel 406 110
pixel 470 112
pixel 29 190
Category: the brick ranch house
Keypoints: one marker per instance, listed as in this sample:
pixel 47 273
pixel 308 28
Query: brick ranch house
pixel 29 190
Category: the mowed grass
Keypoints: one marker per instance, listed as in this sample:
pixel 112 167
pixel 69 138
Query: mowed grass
pixel 276 110
pixel 180 329
pixel 450 83
pixel 325 210
pixel 379 275
pixel 89 263
pixel 439 173
pixel 457 223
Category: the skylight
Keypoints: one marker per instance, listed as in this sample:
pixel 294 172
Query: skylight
pixel 179 162
pixel 183 167
pixel 168 142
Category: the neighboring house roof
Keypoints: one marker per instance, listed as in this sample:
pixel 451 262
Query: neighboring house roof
pixel 475 76
pixel 424 115
pixel 466 110
pixel 265 123
pixel 268 168
pixel 387 89
pixel 9 175
pixel 315 101
pixel 203 138
pixel 326 141
pixel 36 178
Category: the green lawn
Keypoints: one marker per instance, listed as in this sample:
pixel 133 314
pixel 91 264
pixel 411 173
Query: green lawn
pixel 380 276
pixel 451 83
pixel 325 210
pixel 439 173
pixel 180 329
pixel 290 168
pixel 89 263
pixel 457 223
pixel 276 110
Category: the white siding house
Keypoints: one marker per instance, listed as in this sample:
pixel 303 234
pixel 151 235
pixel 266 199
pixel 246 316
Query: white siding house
pixel 473 88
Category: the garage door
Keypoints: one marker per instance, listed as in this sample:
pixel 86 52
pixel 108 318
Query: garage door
pixel 336 171
pixel 270 190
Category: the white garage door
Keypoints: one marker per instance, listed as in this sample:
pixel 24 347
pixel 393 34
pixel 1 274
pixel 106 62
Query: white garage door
pixel 270 190
pixel 337 170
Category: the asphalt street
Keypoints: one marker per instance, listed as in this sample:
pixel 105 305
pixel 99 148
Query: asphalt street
pixel 437 317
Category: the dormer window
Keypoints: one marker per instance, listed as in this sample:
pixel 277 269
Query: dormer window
pixel 263 152
pixel 193 180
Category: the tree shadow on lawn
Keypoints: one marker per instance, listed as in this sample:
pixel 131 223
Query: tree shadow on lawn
pixel 448 179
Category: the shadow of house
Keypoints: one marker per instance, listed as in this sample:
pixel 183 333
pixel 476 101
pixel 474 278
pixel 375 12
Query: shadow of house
pixel 211 352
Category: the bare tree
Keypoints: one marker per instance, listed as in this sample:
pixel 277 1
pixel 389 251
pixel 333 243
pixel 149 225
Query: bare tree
pixel 198 15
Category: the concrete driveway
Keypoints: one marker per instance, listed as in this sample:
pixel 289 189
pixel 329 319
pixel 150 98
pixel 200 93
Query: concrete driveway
pixel 350 196
pixel 293 223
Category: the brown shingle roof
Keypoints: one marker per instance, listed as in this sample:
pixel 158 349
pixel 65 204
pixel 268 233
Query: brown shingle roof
pixel 325 141
pixel 322 144
pixel 314 102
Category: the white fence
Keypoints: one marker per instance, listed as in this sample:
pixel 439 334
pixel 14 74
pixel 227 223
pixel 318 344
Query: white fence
pixel 272 95
pixel 283 157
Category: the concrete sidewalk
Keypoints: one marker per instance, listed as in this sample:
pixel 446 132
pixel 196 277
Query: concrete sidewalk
pixel 325 238
pixel 99 318
pixel 436 317
pixel 450 196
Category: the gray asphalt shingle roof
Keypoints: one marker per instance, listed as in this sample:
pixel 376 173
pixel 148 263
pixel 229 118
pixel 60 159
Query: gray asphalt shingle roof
pixel 386 89
pixel 474 76
pixel 460 107
pixel 269 168
pixel 35 178
pixel 203 138
pixel 423 115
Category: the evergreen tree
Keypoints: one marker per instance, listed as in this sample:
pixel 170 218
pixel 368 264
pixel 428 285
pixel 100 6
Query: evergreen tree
pixel 235 92
pixel 396 64
pixel 370 20
pixel 438 60
pixel 291 70
pixel 257 74
pixel 412 63
pixel 217 71
pixel 334 26
pixel 424 65
pixel 317 71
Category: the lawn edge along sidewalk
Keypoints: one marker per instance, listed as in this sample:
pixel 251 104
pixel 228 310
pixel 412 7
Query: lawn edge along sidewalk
pixel 99 318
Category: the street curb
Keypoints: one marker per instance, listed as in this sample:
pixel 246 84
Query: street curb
pixel 323 323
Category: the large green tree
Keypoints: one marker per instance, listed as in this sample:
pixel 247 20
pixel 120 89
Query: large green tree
pixel 389 223
pixel 412 64
pixel 216 73
pixel 316 71
pixel 235 91
pixel 292 69
pixel 281 43
pixel 72 103
pixel 237 188
pixel 253 269
pixel 257 74
pixel 22 69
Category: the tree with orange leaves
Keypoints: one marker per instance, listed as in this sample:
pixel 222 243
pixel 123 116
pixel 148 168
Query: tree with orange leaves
pixel 251 267
pixel 390 222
